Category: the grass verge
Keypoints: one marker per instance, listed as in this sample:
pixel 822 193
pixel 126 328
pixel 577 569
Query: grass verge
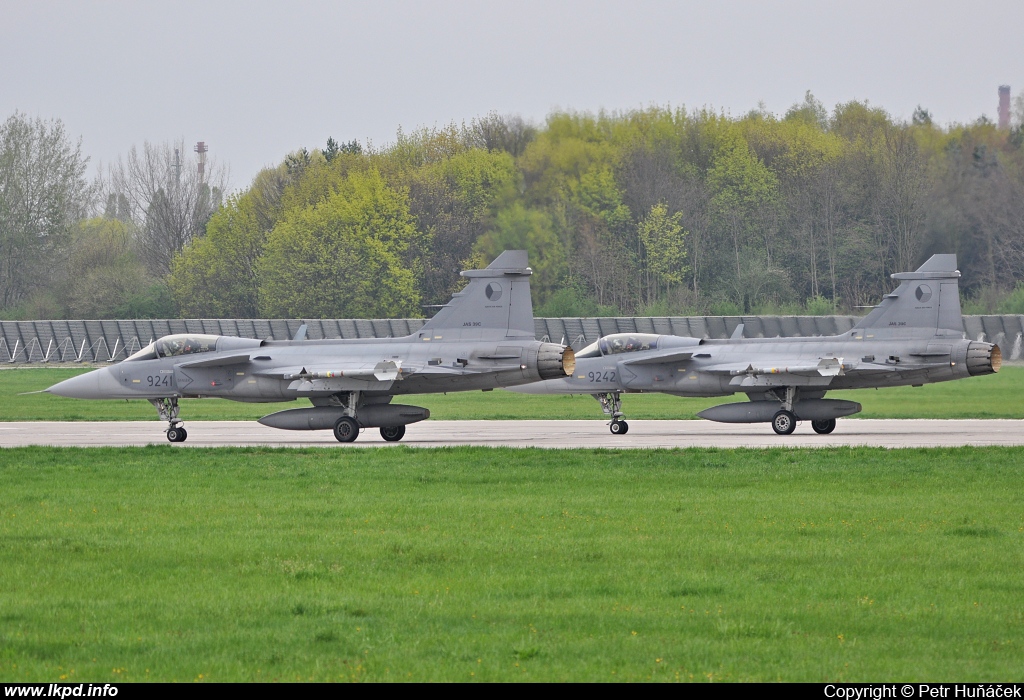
pixel 496 564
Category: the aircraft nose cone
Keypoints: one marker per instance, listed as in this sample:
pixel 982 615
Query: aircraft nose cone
pixel 98 384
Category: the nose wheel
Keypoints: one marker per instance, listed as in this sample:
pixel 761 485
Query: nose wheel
pixel 167 409
pixel 177 434
pixel 611 405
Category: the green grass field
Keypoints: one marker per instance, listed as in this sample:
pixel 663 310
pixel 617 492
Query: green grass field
pixel 992 396
pixel 496 564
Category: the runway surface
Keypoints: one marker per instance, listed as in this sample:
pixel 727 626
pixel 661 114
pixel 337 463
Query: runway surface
pixel 530 433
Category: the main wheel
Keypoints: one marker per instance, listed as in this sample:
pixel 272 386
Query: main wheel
pixel 784 423
pixel 619 427
pixel 823 427
pixel 177 434
pixel 346 429
pixel 393 434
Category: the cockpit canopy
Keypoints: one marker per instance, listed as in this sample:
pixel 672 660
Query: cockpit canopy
pixel 619 343
pixel 190 343
pixel 174 345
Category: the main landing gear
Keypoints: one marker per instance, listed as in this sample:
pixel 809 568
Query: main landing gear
pixel 168 411
pixel 784 422
pixel 347 430
pixel 611 404
pixel 823 427
pixel 393 434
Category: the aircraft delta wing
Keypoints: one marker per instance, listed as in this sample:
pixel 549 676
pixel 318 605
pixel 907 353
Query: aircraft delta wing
pixel 482 339
pixel 914 336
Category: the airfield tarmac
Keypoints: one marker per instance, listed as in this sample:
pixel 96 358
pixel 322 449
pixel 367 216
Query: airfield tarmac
pixel 529 433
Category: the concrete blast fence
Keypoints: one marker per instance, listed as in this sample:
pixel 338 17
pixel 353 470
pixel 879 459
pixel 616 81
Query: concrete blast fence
pixel 48 342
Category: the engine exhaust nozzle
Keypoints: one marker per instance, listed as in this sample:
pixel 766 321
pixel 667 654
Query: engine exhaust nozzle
pixel 983 358
pixel 554 361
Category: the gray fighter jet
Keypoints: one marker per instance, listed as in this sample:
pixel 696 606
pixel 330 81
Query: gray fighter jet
pixel 482 339
pixel 915 336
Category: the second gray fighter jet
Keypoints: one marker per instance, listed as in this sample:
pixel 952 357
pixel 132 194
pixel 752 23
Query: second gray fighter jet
pixel 915 336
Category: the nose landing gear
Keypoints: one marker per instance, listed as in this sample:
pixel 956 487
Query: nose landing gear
pixel 177 434
pixel 168 411
pixel 611 404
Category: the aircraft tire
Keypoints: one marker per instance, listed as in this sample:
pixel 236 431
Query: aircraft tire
pixel 619 427
pixel 346 429
pixel 823 427
pixel 784 423
pixel 177 434
pixel 393 434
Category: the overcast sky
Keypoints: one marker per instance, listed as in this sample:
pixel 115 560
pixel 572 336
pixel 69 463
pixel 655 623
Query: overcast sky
pixel 257 79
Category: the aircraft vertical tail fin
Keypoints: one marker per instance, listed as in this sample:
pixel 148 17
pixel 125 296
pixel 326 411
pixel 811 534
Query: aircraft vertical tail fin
pixel 927 302
pixel 495 303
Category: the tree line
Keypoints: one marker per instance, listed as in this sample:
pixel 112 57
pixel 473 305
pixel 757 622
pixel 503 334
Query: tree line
pixel 657 211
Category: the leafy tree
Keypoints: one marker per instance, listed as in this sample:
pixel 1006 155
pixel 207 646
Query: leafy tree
pixel 764 212
pixel 744 194
pixel 858 121
pixel 453 202
pixel 218 275
pixel 342 257
pixel 166 199
pixel 664 241
pixel 922 117
pixel 901 205
pixel 509 133
pixel 296 162
pixel 118 208
pixel 820 306
pixel 533 230
pixel 810 111
pixel 334 148
pixel 43 195
pixel 105 278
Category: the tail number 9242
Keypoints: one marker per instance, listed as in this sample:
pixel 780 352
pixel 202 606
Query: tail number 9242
pixel 606 376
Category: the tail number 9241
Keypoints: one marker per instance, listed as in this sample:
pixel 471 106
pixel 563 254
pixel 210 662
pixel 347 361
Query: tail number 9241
pixel 158 380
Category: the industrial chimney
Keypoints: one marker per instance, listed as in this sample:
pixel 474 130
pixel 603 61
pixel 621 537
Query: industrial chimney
pixel 201 147
pixel 1004 106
